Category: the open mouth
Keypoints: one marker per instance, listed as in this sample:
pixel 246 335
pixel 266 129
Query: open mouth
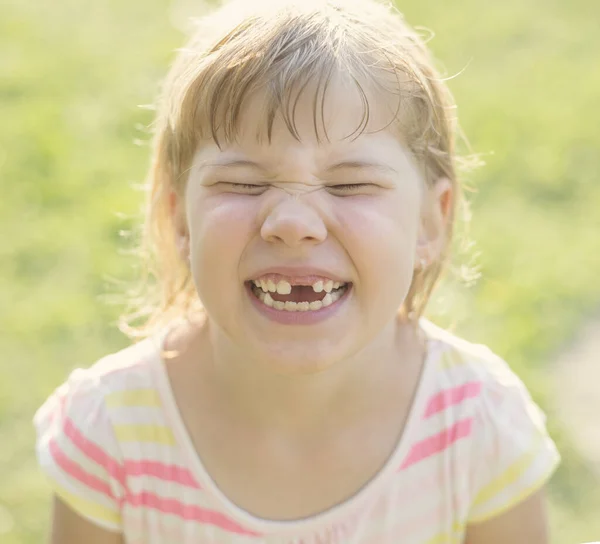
pixel 285 296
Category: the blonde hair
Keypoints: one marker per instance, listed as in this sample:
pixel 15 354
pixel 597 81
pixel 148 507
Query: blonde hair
pixel 278 47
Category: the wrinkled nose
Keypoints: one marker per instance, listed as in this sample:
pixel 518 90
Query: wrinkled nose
pixel 293 223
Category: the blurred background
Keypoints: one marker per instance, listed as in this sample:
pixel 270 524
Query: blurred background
pixel 74 146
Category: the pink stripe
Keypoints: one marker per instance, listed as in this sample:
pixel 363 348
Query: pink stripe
pixel 169 473
pixel 438 442
pixel 450 397
pixel 75 471
pixel 188 512
pixel 94 452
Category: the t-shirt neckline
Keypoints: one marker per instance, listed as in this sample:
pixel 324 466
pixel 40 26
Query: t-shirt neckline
pixel 327 517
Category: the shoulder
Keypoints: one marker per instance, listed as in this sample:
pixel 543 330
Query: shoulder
pixel 90 398
pixel 472 382
pixel 81 401
pixel 473 367
pixel 508 451
pixel 127 369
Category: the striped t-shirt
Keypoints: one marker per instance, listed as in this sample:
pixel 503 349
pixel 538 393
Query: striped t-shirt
pixel 113 444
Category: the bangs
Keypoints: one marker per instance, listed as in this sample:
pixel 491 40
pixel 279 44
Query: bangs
pixel 280 86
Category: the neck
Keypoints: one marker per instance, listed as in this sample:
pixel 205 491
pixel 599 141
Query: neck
pixel 349 390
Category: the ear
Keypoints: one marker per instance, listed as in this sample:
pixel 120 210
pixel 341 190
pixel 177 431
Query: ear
pixel 436 212
pixel 177 210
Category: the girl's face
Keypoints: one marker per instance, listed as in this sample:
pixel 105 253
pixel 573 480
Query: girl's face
pixel 302 252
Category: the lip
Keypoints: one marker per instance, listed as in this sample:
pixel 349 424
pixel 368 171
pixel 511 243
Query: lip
pixel 297 318
pixel 298 275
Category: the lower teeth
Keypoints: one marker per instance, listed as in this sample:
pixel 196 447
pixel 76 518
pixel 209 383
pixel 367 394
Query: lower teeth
pixel 288 306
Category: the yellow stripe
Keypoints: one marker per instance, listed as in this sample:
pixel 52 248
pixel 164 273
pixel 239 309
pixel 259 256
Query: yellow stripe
pixel 87 508
pixel 448 537
pixel 145 433
pixel 509 476
pixel 442 538
pixel 134 397
pixel 516 499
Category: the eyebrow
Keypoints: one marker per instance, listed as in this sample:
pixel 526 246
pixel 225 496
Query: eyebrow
pixel 232 163
pixel 356 165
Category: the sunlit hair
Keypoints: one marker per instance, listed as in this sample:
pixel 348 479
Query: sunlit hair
pixel 283 48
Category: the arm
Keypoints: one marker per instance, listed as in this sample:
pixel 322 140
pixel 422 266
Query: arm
pixel 526 523
pixel 67 527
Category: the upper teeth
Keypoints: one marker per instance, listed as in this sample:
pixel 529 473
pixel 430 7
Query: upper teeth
pixel 285 288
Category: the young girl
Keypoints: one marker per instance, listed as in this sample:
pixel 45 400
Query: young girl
pixel 302 198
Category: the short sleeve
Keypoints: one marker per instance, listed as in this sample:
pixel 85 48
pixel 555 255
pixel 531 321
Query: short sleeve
pixel 513 454
pixel 78 452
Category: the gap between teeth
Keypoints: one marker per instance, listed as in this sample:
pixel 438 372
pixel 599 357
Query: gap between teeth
pixel 284 288
pixel 329 299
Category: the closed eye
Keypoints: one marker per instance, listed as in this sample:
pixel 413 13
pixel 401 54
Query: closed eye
pixel 350 187
pixel 243 188
pixel 342 189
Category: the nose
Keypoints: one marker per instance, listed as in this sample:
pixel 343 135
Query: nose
pixel 293 223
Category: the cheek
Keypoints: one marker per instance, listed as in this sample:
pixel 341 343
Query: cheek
pixel 383 228
pixel 220 228
pixel 380 238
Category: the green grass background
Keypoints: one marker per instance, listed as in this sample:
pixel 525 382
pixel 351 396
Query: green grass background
pixel 73 143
